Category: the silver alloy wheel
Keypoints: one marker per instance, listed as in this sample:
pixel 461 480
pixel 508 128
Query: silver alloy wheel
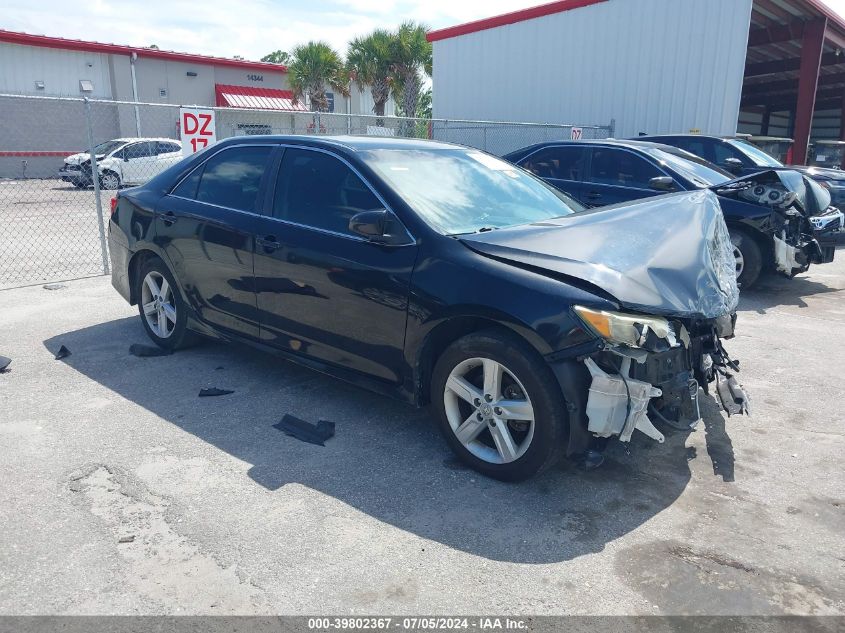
pixel 158 304
pixel 110 181
pixel 489 409
pixel 740 261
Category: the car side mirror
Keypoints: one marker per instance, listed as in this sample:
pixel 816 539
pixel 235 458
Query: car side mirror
pixel 377 226
pixel 662 183
pixel 733 165
pixel 370 224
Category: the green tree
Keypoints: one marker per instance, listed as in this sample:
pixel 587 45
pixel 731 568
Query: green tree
pixel 410 57
pixel 314 68
pixel 424 105
pixel 277 57
pixel 369 63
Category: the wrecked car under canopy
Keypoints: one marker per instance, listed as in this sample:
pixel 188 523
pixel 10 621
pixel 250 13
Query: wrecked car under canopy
pixel 670 255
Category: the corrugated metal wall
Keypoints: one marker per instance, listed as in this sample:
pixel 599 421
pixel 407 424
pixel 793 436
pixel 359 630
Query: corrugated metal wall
pixel 652 65
pixel 60 70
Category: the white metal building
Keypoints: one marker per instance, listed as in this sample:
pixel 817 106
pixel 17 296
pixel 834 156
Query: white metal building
pixel 652 66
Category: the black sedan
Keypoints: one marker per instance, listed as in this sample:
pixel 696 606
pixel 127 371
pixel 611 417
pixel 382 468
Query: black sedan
pixel 444 276
pixel 773 216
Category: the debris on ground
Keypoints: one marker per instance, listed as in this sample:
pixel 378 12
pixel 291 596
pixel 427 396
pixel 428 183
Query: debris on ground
pixel 54 286
pixel 4 364
pixel 305 431
pixel 214 391
pixel 126 539
pixel 63 352
pixel 148 351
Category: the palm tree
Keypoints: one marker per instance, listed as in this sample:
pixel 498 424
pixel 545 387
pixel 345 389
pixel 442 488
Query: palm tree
pixel 410 56
pixel 277 57
pixel 369 62
pixel 314 68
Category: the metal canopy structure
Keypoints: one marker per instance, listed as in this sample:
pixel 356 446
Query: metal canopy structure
pixel 795 64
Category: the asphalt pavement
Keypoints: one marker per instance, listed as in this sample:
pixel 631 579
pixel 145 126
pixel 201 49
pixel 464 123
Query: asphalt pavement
pixel 123 492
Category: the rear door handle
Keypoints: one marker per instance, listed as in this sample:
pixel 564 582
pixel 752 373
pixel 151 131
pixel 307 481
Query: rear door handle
pixel 169 218
pixel 269 243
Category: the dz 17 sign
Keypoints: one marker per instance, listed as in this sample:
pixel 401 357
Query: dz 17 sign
pixel 197 129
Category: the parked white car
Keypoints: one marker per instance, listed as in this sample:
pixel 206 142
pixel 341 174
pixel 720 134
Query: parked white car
pixel 123 161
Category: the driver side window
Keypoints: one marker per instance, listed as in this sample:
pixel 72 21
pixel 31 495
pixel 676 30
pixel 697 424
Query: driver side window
pixel 317 190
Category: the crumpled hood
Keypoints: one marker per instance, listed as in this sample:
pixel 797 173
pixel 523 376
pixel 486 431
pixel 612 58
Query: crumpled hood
pixel 669 255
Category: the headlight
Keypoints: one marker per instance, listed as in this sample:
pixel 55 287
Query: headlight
pixel 625 329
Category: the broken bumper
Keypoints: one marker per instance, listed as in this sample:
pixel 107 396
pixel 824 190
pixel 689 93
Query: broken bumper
pixel 634 389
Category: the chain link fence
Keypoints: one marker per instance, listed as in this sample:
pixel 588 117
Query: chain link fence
pixel 54 212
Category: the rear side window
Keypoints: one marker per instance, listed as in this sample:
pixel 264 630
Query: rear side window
pixel 231 178
pixel 621 168
pixel 139 150
pixel 168 148
pixel 318 190
pixel 561 163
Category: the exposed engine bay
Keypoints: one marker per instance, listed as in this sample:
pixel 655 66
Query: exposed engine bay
pixel 659 379
pixel 796 202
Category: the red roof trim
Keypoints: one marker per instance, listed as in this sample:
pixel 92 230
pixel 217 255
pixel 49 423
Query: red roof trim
pixel 510 18
pixel 27 39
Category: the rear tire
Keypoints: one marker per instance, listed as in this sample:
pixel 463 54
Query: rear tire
pixel 748 256
pixel 478 383
pixel 164 314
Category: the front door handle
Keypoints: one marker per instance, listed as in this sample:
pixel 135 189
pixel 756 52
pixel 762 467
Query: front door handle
pixel 269 243
pixel 169 218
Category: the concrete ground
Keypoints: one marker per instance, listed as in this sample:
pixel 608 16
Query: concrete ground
pixel 48 230
pixel 125 493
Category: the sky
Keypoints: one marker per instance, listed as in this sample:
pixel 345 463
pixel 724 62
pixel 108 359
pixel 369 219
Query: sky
pixel 249 28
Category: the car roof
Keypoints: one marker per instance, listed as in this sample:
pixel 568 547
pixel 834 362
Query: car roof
pixel 350 142
pixel 612 142
pixel 688 135
pixel 145 138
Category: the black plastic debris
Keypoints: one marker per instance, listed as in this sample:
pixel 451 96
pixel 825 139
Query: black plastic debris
pixel 305 431
pixel 4 364
pixel 148 351
pixel 214 391
pixel 54 286
pixel 63 352
pixel 129 538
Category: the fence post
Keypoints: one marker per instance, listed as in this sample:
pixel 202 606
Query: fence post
pixel 612 128
pixel 95 177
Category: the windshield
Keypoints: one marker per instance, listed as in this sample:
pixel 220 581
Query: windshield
pixel 697 170
pixel 464 191
pixel 760 158
pixel 108 146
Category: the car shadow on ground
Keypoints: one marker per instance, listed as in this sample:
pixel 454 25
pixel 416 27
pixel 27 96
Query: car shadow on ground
pixel 387 458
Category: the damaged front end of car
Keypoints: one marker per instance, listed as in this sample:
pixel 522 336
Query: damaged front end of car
pixel 798 223
pixel 667 267
pixel 652 369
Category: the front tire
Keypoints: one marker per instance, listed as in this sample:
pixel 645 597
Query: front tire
pixel 499 406
pixel 164 313
pixel 749 258
pixel 110 181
